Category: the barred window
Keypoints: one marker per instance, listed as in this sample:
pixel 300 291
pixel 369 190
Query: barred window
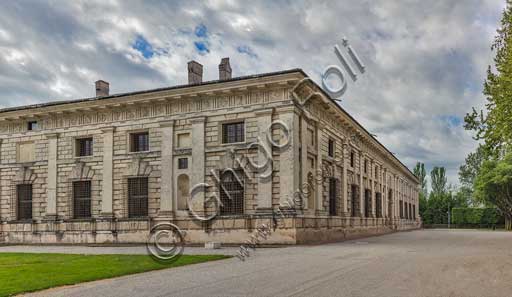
pixel 137 197
pixel 82 199
pixel 139 142
pixel 378 205
pixel 233 132
pixel 367 203
pixel 84 147
pixel 182 163
pixel 231 193
pixel 24 195
pixel 332 196
pixel 354 200
pixel 331 148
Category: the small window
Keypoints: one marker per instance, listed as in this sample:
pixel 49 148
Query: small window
pixel 182 163
pixel 82 199
pixel 139 142
pixel 376 171
pixel 331 148
pixel 365 166
pixel 233 132
pixel 84 147
pixel 24 195
pixel 32 125
pixel 311 137
pixel 352 159
pixel 138 197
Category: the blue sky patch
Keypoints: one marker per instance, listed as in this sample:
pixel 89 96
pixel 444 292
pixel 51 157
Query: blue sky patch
pixel 143 47
pixel 452 120
pixel 244 49
pixel 201 31
pixel 201 47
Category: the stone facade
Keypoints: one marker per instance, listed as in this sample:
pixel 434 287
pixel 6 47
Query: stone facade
pixel 326 150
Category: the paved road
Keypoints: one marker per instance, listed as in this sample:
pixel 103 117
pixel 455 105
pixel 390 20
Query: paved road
pixel 418 263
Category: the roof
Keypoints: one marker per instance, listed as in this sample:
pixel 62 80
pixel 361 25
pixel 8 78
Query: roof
pixel 62 102
pixel 212 82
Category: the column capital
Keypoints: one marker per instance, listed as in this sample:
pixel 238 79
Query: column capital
pixel 108 129
pixel 51 135
pixel 198 120
pixel 165 124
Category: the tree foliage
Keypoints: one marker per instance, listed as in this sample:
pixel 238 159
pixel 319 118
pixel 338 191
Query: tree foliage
pixel 420 172
pixel 494 184
pixel 493 126
pixel 438 180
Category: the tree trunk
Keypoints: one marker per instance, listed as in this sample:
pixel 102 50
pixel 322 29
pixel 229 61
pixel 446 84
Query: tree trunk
pixel 508 223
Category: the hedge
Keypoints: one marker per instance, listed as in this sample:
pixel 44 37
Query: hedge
pixel 475 216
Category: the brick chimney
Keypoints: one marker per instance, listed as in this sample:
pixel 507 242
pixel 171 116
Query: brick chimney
pixel 195 73
pixel 102 88
pixel 224 69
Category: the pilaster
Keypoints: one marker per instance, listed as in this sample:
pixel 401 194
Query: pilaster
pixel 264 198
pixel 167 179
pixel 107 172
pixel 51 190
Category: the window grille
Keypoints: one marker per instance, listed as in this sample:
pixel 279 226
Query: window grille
pixel 231 193
pixel 84 147
pixel 332 196
pixel 182 163
pixel 138 197
pixel 233 132
pixel 24 195
pixel 378 205
pixel 390 202
pixel 139 142
pixel 82 199
pixel 367 202
pixel 354 200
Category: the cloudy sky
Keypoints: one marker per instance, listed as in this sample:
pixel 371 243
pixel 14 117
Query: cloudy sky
pixel 425 60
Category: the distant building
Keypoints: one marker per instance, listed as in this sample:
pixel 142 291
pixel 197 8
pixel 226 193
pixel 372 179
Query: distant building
pixel 107 169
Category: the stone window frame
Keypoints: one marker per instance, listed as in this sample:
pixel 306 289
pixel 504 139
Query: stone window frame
pixel 75 146
pixel 231 121
pixel 177 145
pixel 25 175
pixel 331 147
pixel 129 134
pixel 81 172
pixel 71 200
pixel 138 168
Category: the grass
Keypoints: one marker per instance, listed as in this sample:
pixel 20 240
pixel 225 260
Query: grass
pixel 27 272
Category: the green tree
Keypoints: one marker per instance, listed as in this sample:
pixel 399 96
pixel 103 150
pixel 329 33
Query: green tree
pixel 494 184
pixel 493 126
pixel 421 174
pixel 438 180
pixel 469 170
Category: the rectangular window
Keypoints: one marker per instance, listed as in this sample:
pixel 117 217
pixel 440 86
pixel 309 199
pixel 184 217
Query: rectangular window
pixel 354 201
pixel 231 193
pixel 332 196
pixel 352 159
pixel 311 137
pixel 83 147
pixel 367 203
pixel 233 132
pixel 182 163
pixel 32 125
pixel 139 142
pixel 376 171
pixel 331 148
pixel 401 210
pixel 138 197
pixel 378 205
pixel 82 199
pixel 414 212
pixel 365 166
pixel 24 195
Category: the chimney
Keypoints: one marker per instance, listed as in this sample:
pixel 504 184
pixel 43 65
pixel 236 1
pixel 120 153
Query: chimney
pixel 101 88
pixel 224 69
pixel 195 73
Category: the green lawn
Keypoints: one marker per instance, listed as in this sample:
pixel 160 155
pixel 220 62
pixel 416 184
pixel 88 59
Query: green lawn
pixel 23 272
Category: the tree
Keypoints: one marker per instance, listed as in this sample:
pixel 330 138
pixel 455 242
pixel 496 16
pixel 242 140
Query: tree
pixel 493 126
pixel 494 184
pixel 468 172
pixel 438 180
pixel 420 172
